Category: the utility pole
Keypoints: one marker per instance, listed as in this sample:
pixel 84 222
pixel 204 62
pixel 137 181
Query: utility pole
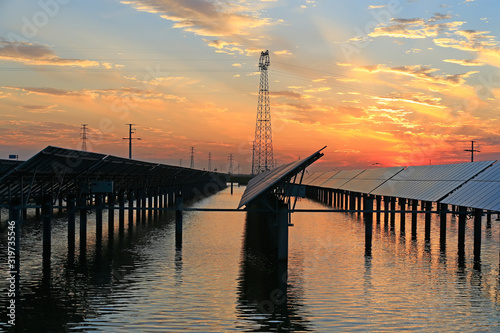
pixel 231 160
pixel 192 157
pixel 209 161
pixel 130 138
pixel 84 137
pixel 472 150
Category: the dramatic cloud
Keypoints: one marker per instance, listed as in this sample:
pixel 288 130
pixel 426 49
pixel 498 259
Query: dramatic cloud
pixel 465 62
pixel 419 99
pixel 40 108
pixel 420 72
pixel 203 17
pixel 414 28
pixel 36 54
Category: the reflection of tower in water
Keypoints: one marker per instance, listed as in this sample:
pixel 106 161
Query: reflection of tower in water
pixel 263 288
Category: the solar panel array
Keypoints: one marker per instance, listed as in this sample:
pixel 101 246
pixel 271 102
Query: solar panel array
pixel 475 185
pixel 341 178
pixel 482 192
pixel 371 179
pixel 60 170
pixel 430 182
pixel 268 181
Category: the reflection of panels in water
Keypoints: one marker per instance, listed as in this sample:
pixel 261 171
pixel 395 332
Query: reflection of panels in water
pixel 263 288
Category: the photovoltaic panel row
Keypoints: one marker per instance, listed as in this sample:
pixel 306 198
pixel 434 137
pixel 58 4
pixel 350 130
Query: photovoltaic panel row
pixel 341 178
pixel 482 192
pixel 268 181
pixel 312 178
pixel 324 177
pixel 370 179
pixel 430 182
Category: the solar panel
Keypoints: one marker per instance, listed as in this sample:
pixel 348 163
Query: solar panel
pixel 319 181
pixel 270 180
pixel 313 178
pixel 370 179
pixel 341 178
pixel 55 170
pixel 482 192
pixel 430 182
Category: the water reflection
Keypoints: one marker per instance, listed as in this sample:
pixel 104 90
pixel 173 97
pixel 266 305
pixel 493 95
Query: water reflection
pixel 263 292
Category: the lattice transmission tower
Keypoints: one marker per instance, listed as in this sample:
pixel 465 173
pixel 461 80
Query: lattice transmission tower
pixel 84 136
pixel 262 159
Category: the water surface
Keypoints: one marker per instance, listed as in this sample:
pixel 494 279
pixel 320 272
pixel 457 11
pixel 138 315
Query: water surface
pixel 223 279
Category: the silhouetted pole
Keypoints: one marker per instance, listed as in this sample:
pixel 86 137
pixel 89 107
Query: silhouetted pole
pixel 130 138
pixel 178 220
pixel 472 151
pixel 368 217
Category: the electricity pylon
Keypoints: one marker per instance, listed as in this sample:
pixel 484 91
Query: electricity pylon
pixel 262 159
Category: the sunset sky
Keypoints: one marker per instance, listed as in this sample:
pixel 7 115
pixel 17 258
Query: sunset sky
pixel 381 83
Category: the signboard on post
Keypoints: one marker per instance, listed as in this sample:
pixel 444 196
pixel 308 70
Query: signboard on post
pixel 101 186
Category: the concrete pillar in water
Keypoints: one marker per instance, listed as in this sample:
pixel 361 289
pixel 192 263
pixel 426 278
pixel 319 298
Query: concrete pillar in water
pixel 386 210
pixel 282 222
pixel 478 216
pixel 171 198
pixel 160 200
pixel 442 225
pixel 402 218
pixel 144 206
pixel 138 205
pixel 130 198
pixel 98 217
pixel 60 201
pixel 165 198
pixel 393 212
pixel 379 207
pixel 155 201
pixel 150 204
pixel 178 220
pixel 368 217
pixel 359 197
pixel 462 219
pixel 121 211
pixel 71 226
pixel 47 230
pixel 427 205
pixel 82 203
pixel 111 215
pixel 414 217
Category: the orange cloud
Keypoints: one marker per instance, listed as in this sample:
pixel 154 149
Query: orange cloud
pixel 36 54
